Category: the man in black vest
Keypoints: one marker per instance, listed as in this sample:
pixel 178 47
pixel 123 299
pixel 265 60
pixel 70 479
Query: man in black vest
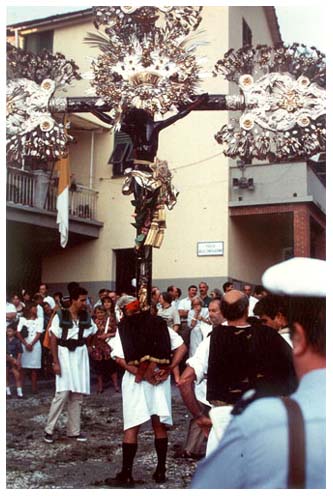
pixel 69 331
pixel 148 351
pixel 235 358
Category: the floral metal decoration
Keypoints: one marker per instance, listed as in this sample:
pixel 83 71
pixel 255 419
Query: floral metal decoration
pixel 282 96
pixel 32 131
pixel 143 65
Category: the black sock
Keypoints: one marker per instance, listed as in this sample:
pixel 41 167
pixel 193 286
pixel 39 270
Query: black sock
pixel 161 446
pixel 129 450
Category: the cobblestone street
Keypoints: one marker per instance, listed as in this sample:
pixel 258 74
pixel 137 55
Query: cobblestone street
pixel 33 464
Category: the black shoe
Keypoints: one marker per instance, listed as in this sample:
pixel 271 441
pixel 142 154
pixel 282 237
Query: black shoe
pixel 159 476
pixel 121 480
pixel 48 438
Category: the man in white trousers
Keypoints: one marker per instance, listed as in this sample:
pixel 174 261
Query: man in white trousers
pixel 69 331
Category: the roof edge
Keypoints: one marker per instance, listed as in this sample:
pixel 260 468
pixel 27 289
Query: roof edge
pixel 70 16
pixel 273 22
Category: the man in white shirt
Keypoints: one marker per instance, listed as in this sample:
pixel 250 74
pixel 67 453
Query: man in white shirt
pixel 184 306
pixel 148 351
pixel 69 331
pixel 237 358
pixel 247 289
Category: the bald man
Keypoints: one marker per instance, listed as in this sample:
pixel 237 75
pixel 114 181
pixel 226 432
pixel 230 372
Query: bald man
pixel 236 357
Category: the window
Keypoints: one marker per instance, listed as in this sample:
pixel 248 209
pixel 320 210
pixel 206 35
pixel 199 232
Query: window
pixel 247 34
pixel 36 42
pixel 121 157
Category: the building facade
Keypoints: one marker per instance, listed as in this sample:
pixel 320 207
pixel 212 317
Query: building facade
pixel 222 228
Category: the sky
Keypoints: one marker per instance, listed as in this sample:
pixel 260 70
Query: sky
pixel 300 23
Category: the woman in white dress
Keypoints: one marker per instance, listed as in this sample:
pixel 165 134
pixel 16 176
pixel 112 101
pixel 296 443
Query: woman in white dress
pixel 29 330
pixel 196 316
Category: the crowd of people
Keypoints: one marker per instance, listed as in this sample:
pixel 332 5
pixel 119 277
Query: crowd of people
pixel 223 348
pixel 28 319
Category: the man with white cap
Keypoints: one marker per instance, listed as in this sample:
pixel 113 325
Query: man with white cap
pixel 266 446
pixel 148 350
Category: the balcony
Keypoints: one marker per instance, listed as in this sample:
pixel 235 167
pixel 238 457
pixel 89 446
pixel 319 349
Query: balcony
pixel 32 197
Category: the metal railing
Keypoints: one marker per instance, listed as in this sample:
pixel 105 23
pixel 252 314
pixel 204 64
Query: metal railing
pixel 20 186
pixel 22 190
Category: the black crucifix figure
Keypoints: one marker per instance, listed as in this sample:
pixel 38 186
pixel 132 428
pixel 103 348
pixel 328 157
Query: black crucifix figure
pixel 150 181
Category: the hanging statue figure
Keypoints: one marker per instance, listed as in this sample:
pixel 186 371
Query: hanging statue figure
pixel 149 179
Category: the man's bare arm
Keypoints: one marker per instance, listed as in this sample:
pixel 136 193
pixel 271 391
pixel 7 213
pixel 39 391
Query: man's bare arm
pixel 132 369
pixel 54 351
pixel 185 111
pixel 186 387
pixel 178 355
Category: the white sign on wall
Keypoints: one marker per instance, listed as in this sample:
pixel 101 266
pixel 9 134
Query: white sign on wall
pixel 210 248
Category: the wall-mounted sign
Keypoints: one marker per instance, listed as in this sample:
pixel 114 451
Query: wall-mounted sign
pixel 210 248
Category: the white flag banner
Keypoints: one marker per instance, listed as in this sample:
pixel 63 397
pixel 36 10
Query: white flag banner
pixel 63 200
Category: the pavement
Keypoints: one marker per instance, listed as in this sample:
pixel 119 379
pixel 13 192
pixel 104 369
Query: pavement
pixel 69 464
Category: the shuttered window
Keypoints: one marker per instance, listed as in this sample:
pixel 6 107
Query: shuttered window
pixel 121 157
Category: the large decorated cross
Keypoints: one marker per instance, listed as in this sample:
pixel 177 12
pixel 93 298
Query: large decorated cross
pixel 147 66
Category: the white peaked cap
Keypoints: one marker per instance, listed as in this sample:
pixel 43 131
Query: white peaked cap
pixel 297 276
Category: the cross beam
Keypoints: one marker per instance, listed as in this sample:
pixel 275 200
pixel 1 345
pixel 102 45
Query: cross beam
pixel 87 104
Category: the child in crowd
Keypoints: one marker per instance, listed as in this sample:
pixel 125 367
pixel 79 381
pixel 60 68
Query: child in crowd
pixel 14 352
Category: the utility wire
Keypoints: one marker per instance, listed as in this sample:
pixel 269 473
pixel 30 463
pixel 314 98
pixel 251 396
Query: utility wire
pixel 191 164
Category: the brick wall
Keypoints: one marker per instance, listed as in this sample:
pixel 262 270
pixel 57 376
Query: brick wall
pixel 302 214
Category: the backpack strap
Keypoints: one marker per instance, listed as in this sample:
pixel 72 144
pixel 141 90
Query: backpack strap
pixel 80 335
pixel 296 472
pixel 65 322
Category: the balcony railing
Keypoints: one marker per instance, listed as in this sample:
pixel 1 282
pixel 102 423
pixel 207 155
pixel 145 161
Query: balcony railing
pixel 24 188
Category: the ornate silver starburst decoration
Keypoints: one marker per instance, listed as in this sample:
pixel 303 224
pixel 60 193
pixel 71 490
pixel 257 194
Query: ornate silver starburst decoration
pixel 32 131
pixel 141 64
pixel 283 98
